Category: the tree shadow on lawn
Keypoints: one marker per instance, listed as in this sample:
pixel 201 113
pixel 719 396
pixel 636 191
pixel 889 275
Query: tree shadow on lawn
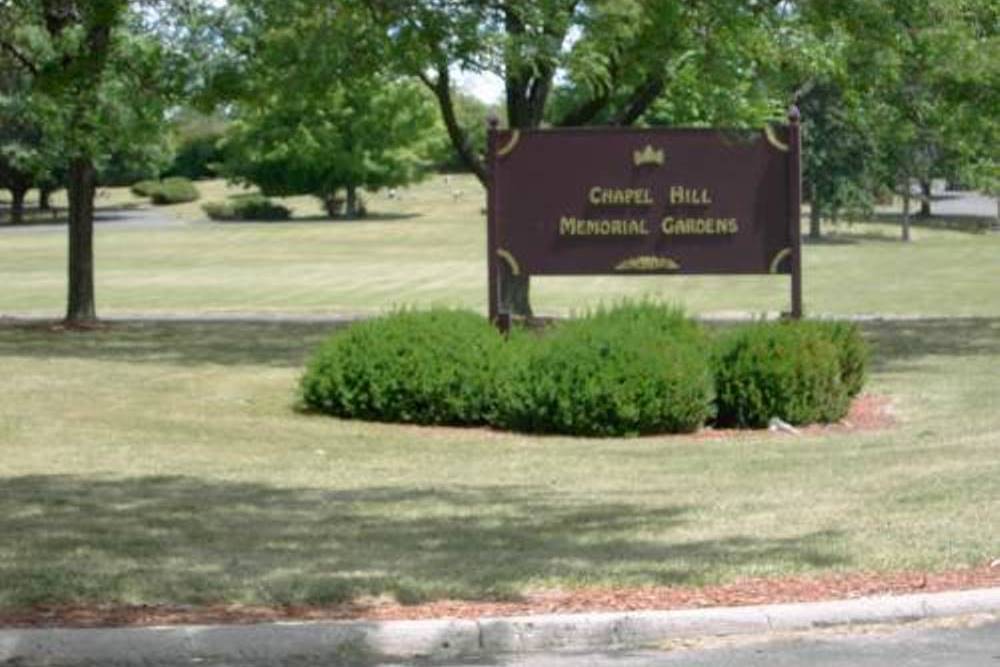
pixel 842 237
pixel 370 217
pixel 957 222
pixel 899 342
pixel 289 344
pixel 59 216
pixel 184 540
pixel 187 343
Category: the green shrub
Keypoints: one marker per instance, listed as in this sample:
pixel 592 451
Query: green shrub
pixel 628 370
pixel 786 370
pixel 174 191
pixel 246 207
pixel 145 188
pixel 197 156
pixel 852 352
pixel 431 367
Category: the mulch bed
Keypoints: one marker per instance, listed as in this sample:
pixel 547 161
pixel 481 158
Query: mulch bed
pixel 869 412
pixel 740 593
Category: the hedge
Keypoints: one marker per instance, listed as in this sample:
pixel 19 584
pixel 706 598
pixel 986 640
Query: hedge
pixel 246 207
pixel 176 190
pixel 628 370
pixel 144 188
pixel 432 367
pixel 786 370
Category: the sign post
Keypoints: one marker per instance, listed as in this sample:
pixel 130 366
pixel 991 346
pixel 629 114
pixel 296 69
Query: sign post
pixel 590 201
pixel 795 208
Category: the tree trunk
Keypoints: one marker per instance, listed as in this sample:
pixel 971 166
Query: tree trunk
pixel 17 204
pixel 44 193
pixel 925 198
pixel 81 308
pixel 331 205
pixel 906 210
pixel 814 228
pixel 351 205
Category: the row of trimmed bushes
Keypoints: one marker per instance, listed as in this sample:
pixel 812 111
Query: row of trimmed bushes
pixel 174 190
pixel 633 369
pixel 253 207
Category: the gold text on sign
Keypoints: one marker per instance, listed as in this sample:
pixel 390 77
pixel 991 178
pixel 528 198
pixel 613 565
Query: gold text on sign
pixel 699 226
pixel 570 226
pixel 678 194
pixel 627 196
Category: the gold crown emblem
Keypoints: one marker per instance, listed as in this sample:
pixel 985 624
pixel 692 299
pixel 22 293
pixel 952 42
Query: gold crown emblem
pixel 648 155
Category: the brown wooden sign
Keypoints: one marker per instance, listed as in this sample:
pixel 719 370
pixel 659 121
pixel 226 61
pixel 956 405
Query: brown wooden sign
pixel 650 201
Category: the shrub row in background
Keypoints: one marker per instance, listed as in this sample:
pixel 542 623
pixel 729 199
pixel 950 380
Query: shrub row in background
pixel 174 190
pixel 636 368
pixel 246 207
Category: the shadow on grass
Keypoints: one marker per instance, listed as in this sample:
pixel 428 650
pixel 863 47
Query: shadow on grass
pixel 973 224
pixel 896 342
pixel 289 344
pixel 371 217
pixel 177 539
pixel 59 217
pixel 276 344
pixel 842 237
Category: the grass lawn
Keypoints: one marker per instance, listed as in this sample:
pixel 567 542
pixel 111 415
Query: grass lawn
pixel 428 247
pixel 163 463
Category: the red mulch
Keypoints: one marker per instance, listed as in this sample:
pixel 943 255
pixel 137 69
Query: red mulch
pixel 869 412
pixel 745 592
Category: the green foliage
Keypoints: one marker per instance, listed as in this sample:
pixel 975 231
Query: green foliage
pixel 783 370
pixel 430 367
pixel 174 190
pixel 628 370
pixel 145 188
pixel 837 149
pixel 361 133
pixel 471 115
pixel 852 352
pixel 197 146
pixel 246 207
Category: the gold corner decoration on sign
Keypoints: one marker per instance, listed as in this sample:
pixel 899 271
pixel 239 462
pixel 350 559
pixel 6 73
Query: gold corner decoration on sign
pixel 772 139
pixel 505 255
pixel 648 155
pixel 782 254
pixel 507 148
pixel 648 263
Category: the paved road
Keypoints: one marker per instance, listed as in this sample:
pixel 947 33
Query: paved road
pixel 964 203
pixel 123 218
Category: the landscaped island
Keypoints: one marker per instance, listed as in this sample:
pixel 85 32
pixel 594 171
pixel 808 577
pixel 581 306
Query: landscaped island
pixel 632 369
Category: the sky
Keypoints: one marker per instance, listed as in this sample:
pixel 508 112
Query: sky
pixel 485 86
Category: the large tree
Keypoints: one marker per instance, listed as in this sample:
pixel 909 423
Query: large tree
pixel 928 74
pixel 99 80
pixel 315 110
pixel 359 132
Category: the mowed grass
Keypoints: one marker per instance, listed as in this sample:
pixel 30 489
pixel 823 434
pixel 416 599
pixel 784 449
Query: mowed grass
pixel 165 463
pixel 428 247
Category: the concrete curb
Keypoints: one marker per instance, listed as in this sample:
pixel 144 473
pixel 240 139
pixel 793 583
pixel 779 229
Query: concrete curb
pixel 369 642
